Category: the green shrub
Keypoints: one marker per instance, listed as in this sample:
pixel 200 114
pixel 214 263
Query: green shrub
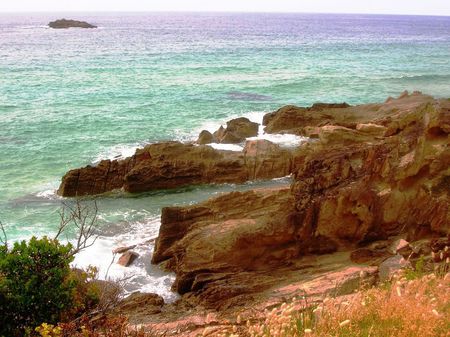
pixel 36 285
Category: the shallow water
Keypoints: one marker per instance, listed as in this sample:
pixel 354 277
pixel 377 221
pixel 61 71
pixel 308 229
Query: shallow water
pixel 69 98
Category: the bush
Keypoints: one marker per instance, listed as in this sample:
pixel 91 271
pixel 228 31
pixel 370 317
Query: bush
pixel 37 285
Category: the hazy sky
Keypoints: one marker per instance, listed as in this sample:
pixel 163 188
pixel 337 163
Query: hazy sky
pixel 433 7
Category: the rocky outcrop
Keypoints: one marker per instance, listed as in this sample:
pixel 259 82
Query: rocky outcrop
pixel 63 23
pixel 354 190
pixel 173 165
pixel 353 186
pixel 237 131
pixel 249 230
pixel 303 121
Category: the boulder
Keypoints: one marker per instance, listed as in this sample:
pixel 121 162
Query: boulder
pixel 127 258
pixel 205 137
pixel 237 131
pixel 63 23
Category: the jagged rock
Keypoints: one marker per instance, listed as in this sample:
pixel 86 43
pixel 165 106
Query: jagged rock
pixel 237 131
pixel 205 137
pixel 350 188
pixel 350 191
pixel 127 258
pixel 296 120
pixel 173 165
pixel 63 23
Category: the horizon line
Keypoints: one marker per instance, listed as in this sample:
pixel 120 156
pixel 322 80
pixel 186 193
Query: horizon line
pixel 207 12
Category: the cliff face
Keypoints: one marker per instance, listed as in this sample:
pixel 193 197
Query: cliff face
pixel 354 185
pixel 352 189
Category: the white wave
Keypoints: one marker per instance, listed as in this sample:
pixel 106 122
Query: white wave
pixel 228 147
pixel 48 194
pixel 119 151
pixel 141 275
pixel 284 140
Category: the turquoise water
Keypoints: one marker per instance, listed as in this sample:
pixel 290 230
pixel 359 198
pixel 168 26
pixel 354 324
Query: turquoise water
pixel 71 97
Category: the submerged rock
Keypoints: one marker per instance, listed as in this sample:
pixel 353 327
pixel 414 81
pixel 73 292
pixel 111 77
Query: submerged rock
pixel 63 23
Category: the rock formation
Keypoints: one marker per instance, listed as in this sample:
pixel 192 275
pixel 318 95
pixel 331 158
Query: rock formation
pixel 352 186
pixel 173 165
pixel 237 131
pixel 63 23
pixel 376 176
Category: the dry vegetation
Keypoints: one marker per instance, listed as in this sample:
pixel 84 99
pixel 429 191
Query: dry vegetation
pixel 404 308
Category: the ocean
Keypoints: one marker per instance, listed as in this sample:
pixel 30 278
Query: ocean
pixel 69 98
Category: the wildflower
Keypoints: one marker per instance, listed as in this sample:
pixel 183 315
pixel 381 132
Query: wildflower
pixel 344 323
pixel 435 313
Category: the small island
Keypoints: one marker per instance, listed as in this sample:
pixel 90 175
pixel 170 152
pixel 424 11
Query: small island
pixel 63 24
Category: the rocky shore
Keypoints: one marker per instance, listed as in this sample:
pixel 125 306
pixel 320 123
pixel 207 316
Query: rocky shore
pixel 371 176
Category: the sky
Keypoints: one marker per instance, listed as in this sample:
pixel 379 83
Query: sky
pixel 414 7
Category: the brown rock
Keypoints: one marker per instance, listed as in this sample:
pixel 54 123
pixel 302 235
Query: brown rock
pixel 350 188
pixel 139 305
pixel 127 258
pixel 296 120
pixel 173 165
pixel 237 131
pixel 63 23
pixel 205 137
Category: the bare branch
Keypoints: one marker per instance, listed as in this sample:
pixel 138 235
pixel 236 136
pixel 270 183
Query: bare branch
pixel 84 219
pixel 3 237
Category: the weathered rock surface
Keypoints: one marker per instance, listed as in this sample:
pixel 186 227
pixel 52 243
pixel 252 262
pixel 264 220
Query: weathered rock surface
pixel 355 192
pixel 140 305
pixel 374 172
pixel 351 187
pixel 63 23
pixel 301 121
pixel 173 165
pixel 237 131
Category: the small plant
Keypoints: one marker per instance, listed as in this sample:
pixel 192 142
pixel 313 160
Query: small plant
pixel 37 283
pixel 418 271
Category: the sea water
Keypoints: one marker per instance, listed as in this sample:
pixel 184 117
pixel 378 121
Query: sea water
pixel 69 98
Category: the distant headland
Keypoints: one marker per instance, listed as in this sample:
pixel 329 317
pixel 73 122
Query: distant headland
pixel 63 23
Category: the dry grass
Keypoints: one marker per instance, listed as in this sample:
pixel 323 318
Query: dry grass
pixel 403 308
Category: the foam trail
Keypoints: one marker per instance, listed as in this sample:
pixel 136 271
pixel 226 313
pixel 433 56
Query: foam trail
pixel 141 275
